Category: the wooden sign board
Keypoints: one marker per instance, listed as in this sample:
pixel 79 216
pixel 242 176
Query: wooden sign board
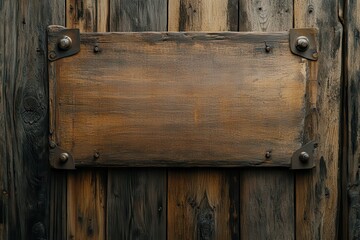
pixel 178 99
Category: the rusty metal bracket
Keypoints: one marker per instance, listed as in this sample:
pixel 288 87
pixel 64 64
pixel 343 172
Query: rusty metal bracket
pixel 304 42
pixel 62 42
pixel 303 158
pixel 60 159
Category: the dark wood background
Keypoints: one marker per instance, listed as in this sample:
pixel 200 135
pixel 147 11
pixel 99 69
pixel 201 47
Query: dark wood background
pixel 158 203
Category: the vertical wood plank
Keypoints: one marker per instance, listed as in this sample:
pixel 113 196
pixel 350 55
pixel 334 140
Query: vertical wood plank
pixel 86 188
pixel 266 195
pixel 136 206
pixel 317 191
pixel 351 230
pixel 24 120
pixel 3 164
pixel 203 203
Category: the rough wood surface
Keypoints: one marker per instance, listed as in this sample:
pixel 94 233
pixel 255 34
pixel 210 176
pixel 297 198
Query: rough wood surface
pixel 24 116
pixel 190 15
pixel 138 15
pixel 87 15
pixel 202 206
pixel 352 74
pixel 203 115
pixel 266 213
pixel 86 189
pixel 266 16
pixel 146 186
pixel 317 205
pixel 219 176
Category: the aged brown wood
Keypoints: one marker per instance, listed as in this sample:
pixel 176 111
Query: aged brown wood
pixel 169 102
pixel 352 153
pixel 260 187
pixel 317 205
pixel 86 189
pixel 139 212
pixel 189 20
pixel 202 206
pixel 24 120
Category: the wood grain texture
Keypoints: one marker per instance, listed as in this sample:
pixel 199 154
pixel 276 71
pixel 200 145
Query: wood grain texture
pixel 86 197
pixel 351 181
pixel 137 205
pixel 24 106
pixel 87 15
pixel 86 189
pixel 317 204
pixel 184 186
pixel 254 188
pixel 202 206
pixel 171 102
pixel 216 15
pixel 138 15
pixel 146 186
pixel 267 213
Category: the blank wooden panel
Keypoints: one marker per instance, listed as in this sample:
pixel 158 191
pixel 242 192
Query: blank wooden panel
pixel 180 99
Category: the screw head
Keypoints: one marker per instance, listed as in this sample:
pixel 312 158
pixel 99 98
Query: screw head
pixel 64 157
pixel 304 157
pixel 268 154
pixel 52 55
pixel 65 43
pixel 302 43
pixel 52 144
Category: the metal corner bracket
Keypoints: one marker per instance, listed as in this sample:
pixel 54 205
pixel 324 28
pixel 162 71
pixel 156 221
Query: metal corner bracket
pixel 303 158
pixel 61 159
pixel 304 42
pixel 62 42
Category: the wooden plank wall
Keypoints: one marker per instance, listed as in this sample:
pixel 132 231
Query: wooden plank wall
pixel 267 210
pixel 37 203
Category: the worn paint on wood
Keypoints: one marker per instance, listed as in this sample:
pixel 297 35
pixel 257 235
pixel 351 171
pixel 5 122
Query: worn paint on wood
pixel 317 205
pixel 146 186
pixel 169 101
pixel 266 16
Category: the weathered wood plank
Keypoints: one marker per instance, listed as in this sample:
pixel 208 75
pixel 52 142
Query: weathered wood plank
pixel 206 114
pixel 215 15
pixel 148 186
pixel 255 185
pixel 138 15
pixel 24 121
pixel 317 191
pixel 86 198
pixel 267 213
pixel 86 189
pixel 202 206
pixel 189 21
pixel 351 180
pixel 4 215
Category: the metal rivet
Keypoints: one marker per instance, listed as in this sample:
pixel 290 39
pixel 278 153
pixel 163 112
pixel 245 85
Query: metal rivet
pixel 64 157
pixel 302 43
pixel 52 144
pixel 315 55
pixel 304 157
pixel 52 55
pixel 96 155
pixel 267 49
pixel 96 49
pixel 65 43
pixel 268 154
